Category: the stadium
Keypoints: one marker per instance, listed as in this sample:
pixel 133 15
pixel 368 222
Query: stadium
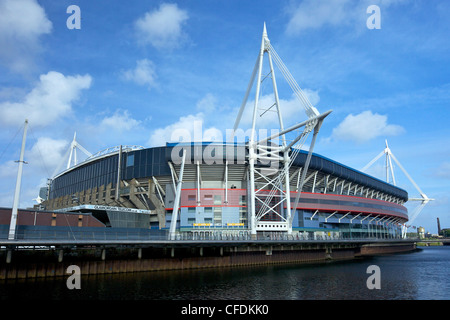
pixel 136 187
pixel 266 186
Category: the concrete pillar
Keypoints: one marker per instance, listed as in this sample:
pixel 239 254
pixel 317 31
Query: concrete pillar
pixel 140 253
pixel 8 256
pixel 172 252
pixel 103 254
pixel 60 255
pixel 201 251
pixel 328 252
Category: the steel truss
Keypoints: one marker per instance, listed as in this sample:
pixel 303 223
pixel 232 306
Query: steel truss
pixel 269 206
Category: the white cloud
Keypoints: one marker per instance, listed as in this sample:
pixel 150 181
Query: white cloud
pixel 120 121
pixel 48 102
pixel 42 160
pixel 22 23
pixel 443 171
pixel 207 104
pixel 8 169
pixel 312 95
pixel 193 127
pixel 143 74
pixel 162 28
pixel 313 14
pixel 48 153
pixel 292 110
pixel 365 126
pixel 187 129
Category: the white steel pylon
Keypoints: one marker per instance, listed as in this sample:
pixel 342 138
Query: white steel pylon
pixel 269 190
pixel 388 166
pixel 72 153
pixel 14 212
pixel 390 170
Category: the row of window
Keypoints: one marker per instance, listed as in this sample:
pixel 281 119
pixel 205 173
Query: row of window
pixel 217 198
pixel 212 215
pixel 352 204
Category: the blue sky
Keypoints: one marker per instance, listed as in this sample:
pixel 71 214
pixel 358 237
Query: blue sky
pixel 137 70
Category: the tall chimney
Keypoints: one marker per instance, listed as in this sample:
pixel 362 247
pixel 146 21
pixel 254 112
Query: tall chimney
pixel 439 226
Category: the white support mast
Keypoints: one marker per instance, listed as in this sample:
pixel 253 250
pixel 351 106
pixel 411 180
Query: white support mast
pixel 13 222
pixel 73 151
pixel 269 187
pixel 390 169
pixel 176 206
pixel 388 166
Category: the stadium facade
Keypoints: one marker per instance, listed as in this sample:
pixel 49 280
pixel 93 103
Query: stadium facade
pixel 263 185
pixel 136 187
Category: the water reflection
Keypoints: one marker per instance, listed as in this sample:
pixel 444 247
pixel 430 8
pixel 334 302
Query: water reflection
pixel 419 275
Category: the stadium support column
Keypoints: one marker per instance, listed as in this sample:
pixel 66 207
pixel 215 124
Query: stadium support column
pixel 176 206
pixel 288 192
pixel 252 192
pixel 13 222
pixel 119 165
pixel 286 160
pixel 252 141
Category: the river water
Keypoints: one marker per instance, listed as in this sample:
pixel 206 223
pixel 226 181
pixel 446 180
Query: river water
pixel 419 275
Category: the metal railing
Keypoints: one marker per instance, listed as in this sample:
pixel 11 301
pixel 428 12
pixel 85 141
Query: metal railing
pixel 76 234
pixel 117 234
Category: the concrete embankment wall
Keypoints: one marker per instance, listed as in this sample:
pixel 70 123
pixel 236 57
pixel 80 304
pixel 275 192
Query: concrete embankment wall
pixel 52 263
pixel 374 249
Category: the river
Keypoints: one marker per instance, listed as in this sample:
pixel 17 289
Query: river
pixel 419 275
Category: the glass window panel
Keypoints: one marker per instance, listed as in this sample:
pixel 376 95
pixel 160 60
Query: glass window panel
pixel 130 160
pixel 191 210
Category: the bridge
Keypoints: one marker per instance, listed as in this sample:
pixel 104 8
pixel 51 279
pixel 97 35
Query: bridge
pixel 433 241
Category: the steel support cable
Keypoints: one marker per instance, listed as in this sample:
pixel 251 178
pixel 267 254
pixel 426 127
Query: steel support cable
pixel 39 151
pixel 11 141
pixel 292 83
pixel 290 79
